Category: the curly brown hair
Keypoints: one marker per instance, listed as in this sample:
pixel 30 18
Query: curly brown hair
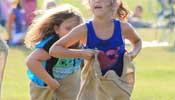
pixel 122 12
pixel 43 25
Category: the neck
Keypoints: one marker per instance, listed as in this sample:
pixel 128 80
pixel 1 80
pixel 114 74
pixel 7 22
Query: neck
pixel 102 20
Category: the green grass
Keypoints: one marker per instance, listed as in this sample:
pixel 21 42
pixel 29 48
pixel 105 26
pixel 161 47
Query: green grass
pixel 160 35
pixel 15 84
pixel 150 8
pixel 154 75
pixel 76 3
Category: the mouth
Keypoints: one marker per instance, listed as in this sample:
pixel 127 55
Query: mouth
pixel 98 7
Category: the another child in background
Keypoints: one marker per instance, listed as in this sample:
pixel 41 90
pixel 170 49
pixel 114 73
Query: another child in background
pixel 104 33
pixel 3 57
pixel 15 24
pixel 136 18
pixel 29 8
pixel 45 70
pixel 50 4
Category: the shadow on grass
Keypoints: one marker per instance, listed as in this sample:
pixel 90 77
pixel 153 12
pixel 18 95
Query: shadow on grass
pixel 170 49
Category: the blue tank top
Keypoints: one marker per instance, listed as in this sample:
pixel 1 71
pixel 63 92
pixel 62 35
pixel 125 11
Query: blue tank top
pixel 111 50
pixel 18 20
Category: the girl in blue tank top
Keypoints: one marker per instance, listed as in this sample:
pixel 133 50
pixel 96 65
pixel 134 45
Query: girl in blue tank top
pixel 111 50
pixel 103 33
pixel 15 25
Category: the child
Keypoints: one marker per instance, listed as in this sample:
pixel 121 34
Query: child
pixel 136 18
pixel 104 33
pixel 50 4
pixel 29 7
pixel 15 25
pixel 45 70
pixel 3 57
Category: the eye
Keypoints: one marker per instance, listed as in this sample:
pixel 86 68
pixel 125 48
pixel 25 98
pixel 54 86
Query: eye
pixel 68 28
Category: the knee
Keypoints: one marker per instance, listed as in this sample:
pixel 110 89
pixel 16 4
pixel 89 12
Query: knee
pixel 3 47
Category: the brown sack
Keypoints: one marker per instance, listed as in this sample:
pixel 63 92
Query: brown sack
pixel 68 90
pixel 40 93
pixel 94 86
pixel 3 58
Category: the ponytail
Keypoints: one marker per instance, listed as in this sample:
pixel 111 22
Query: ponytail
pixel 122 12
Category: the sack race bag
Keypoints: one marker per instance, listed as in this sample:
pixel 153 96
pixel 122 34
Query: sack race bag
pixel 94 86
pixel 40 93
pixel 69 87
pixel 3 58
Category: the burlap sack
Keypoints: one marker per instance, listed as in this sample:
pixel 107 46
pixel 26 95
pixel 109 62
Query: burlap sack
pixel 3 58
pixel 68 90
pixel 94 86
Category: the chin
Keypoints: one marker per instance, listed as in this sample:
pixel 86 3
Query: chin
pixel 99 14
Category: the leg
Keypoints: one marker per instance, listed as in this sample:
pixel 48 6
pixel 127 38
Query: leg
pixel 3 57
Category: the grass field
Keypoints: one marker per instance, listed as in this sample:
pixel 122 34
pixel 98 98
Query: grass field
pixel 155 72
pixel 154 66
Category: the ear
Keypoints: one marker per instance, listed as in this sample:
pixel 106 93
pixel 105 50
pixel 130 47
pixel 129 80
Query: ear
pixel 116 4
pixel 56 29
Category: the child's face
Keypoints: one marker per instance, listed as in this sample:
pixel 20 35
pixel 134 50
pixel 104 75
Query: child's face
pixel 138 11
pixel 101 7
pixel 67 26
pixel 50 5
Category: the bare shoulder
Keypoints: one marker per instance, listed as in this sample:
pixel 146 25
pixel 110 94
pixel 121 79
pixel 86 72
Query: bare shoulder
pixel 126 28
pixel 129 32
pixel 39 54
pixel 80 29
pixel 78 33
pixel 83 26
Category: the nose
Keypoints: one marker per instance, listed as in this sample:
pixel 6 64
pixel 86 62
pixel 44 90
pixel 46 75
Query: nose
pixel 97 0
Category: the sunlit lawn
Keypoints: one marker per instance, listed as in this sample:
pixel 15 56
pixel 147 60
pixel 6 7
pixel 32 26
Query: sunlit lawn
pixel 155 74
pixel 154 68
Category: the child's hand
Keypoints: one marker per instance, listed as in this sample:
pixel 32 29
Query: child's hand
pixel 130 55
pixel 54 85
pixel 89 54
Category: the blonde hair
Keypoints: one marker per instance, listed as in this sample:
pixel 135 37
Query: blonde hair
pixel 43 25
pixel 16 4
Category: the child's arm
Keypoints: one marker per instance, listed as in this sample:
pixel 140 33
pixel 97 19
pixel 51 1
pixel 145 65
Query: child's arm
pixel 130 34
pixel 59 48
pixel 9 25
pixel 34 63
